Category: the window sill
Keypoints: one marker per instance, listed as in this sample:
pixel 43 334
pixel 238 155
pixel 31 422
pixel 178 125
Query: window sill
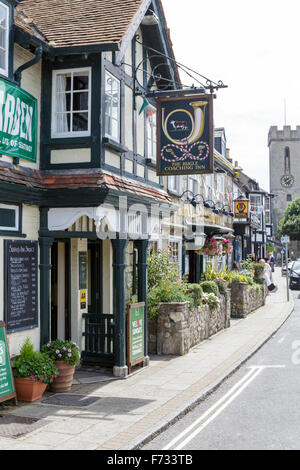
pixel 11 233
pixel 174 192
pixel 114 145
pixel 151 162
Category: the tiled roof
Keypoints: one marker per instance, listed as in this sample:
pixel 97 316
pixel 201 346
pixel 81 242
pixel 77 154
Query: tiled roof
pixel 95 180
pixel 66 23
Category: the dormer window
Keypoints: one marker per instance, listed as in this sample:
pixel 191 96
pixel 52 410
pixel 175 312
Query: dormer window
pixel 4 41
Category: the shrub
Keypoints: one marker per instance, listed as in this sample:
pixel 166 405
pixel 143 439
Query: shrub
pixel 222 286
pixel 260 281
pixel 210 287
pixel 160 269
pixel 62 350
pixel 259 269
pixel 195 291
pixel 35 365
pixel 167 292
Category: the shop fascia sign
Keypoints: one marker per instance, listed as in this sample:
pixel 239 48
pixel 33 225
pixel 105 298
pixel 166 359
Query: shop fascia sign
pixel 18 122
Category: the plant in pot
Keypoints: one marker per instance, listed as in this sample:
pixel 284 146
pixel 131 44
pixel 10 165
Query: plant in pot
pixel 32 371
pixel 66 356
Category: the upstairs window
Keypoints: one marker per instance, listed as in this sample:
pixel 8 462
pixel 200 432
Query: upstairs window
pixel 4 41
pixel 71 103
pixel 112 107
pixel 175 183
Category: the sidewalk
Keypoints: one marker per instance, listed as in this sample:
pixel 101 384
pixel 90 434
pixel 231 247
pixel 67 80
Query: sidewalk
pixel 126 412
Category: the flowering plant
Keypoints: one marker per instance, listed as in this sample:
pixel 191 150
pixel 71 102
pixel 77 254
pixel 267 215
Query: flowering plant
pixel 63 350
pixel 226 247
pixel 210 248
pixel 211 300
pixel 34 365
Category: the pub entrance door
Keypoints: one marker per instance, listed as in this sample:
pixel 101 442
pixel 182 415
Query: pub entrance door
pixel 98 325
pixel 60 291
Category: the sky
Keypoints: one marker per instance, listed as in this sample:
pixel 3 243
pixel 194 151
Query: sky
pixel 253 47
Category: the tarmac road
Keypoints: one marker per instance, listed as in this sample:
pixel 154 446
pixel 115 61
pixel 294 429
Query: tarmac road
pixel 256 408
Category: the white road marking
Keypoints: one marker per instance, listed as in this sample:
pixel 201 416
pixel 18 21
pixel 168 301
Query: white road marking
pixel 219 406
pixel 281 339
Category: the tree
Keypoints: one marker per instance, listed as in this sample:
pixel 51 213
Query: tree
pixel 290 223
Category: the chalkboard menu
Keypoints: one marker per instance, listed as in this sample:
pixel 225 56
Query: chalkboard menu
pixel 7 390
pixel 21 284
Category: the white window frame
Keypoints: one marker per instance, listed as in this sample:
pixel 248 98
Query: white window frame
pixel 151 135
pixel 5 70
pixel 177 179
pixel 107 134
pixel 17 212
pixel 71 133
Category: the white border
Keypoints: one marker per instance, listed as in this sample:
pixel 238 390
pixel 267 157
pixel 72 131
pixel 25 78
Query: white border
pixel 71 133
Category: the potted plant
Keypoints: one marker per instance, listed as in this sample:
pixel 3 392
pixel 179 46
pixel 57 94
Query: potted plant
pixel 66 356
pixel 32 371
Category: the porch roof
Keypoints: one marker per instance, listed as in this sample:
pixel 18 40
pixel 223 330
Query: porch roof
pixel 66 179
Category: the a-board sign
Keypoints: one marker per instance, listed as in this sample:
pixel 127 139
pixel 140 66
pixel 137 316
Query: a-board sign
pixel 21 284
pixel 135 334
pixel 7 389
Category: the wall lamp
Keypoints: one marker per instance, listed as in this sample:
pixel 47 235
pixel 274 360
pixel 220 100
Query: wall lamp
pixel 209 204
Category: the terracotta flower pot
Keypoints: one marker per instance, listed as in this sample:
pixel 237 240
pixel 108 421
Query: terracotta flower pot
pixel 28 389
pixel 63 382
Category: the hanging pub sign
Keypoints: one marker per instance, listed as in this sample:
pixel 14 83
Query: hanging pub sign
pixel 185 133
pixel 18 122
pixel 241 209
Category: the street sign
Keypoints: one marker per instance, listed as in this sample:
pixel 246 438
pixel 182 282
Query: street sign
pixel 285 239
pixel 135 334
pixel 7 388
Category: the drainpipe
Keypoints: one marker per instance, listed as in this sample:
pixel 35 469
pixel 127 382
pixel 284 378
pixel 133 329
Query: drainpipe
pixel 27 65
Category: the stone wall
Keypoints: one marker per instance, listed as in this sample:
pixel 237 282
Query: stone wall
pixel 176 329
pixel 245 299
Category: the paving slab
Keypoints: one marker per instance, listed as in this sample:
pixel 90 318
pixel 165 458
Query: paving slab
pixel 130 411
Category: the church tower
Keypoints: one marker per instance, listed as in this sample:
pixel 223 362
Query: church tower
pixel 284 161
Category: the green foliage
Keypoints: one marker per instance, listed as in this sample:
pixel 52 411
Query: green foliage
pixel 195 291
pixel 247 263
pixel 259 269
pixel 167 292
pixel 160 269
pixel 239 278
pixel 290 223
pixel 27 349
pixel 35 365
pixel 222 286
pixel 62 350
pixel 210 287
pixel 211 300
pixel 260 281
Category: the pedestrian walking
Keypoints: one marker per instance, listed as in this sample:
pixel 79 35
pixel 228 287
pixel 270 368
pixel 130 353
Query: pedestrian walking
pixel 267 276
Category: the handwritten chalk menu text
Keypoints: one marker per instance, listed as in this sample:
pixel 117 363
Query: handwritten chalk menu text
pixel 21 284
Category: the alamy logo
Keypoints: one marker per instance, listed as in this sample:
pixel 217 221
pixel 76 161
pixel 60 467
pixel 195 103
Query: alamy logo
pixel 2 354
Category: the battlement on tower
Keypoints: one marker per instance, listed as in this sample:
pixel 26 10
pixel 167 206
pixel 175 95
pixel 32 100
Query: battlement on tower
pixel 285 134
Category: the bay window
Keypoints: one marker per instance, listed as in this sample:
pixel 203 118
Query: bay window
pixel 112 107
pixel 4 40
pixel 151 136
pixel 71 103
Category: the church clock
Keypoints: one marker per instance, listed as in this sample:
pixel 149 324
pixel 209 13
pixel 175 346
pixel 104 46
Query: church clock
pixel 287 181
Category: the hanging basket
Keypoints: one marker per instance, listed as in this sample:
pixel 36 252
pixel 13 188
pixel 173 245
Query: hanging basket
pixel 210 248
pixel 226 247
